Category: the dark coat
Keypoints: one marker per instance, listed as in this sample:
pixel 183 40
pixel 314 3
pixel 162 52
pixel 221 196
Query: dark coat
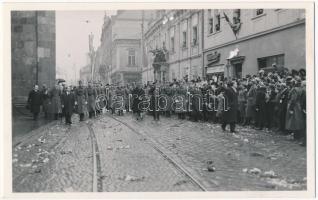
pixel 35 101
pixel 250 106
pixel 91 98
pixel 295 118
pixel 56 101
pixel 137 96
pixel 180 100
pixel 154 95
pixel 45 100
pixel 231 98
pixel 260 99
pixel 81 98
pixel 68 101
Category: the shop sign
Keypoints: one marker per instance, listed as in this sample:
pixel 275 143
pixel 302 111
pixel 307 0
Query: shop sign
pixel 213 58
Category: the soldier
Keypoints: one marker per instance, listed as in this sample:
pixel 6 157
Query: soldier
pixel 91 98
pixel 120 101
pixel 154 101
pixel 35 101
pixel 80 100
pixel 180 101
pixel 137 94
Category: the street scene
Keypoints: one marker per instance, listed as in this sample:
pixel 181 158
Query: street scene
pixel 159 100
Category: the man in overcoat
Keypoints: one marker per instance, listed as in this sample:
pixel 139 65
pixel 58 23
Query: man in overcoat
pixel 55 95
pixel 91 98
pixel 80 100
pixel 137 97
pixel 68 103
pixel 230 115
pixel 35 101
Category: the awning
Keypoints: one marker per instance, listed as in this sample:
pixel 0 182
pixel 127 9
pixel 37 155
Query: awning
pixel 215 69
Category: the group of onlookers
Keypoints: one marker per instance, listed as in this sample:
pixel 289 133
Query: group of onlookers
pixel 273 100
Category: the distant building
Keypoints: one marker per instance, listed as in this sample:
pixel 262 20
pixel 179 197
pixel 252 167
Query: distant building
pixel 119 60
pixel 258 39
pixel 85 74
pixel 178 34
pixel 86 71
pixel 32 51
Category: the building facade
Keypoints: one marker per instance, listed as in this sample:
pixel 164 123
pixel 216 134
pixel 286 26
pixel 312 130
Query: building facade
pixel 119 57
pixel 242 41
pixel 178 35
pixel 32 51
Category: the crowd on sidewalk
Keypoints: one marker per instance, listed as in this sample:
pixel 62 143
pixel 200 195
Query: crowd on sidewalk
pixel 271 100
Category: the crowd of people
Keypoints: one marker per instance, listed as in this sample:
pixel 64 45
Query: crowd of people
pixel 271 100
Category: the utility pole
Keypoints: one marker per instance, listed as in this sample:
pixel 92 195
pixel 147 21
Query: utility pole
pixel 37 48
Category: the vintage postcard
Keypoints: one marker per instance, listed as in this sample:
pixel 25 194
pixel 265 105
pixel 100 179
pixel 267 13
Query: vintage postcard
pixel 158 100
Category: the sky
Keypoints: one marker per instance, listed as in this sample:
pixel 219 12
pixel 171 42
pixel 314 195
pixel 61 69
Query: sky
pixel 72 30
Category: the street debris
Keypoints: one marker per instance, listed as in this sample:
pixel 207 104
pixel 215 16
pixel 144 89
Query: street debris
pixel 276 156
pixel 180 183
pixel 69 189
pixel 25 165
pixel 131 178
pixel 269 174
pixel 245 140
pixel 109 148
pixel 210 166
pixel 66 152
pixel 37 171
pixel 46 160
pixel 119 140
pixel 256 154
pixel 255 171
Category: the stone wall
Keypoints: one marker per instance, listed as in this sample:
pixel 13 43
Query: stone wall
pixel 32 51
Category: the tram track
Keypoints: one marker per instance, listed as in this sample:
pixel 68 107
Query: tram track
pixel 97 171
pixel 163 152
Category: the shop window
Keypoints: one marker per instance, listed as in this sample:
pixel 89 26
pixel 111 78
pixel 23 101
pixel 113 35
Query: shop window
pixel 131 57
pixel 184 39
pixel 259 12
pixel 270 60
pixel 195 35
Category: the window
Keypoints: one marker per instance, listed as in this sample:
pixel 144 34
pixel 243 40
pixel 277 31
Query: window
pixel 184 39
pixel 236 16
pixel 172 39
pixel 172 44
pixel 131 57
pixel 210 20
pixel 195 35
pixel 270 60
pixel 259 12
pixel 218 21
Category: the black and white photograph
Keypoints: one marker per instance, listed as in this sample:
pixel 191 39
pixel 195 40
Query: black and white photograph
pixel 161 99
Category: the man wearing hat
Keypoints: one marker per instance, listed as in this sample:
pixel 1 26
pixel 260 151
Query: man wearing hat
pixel 230 115
pixel 80 100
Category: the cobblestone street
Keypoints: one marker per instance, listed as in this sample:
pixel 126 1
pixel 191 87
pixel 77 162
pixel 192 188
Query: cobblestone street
pixel 117 154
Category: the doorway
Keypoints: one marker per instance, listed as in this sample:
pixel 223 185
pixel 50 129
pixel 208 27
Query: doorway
pixel 238 70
